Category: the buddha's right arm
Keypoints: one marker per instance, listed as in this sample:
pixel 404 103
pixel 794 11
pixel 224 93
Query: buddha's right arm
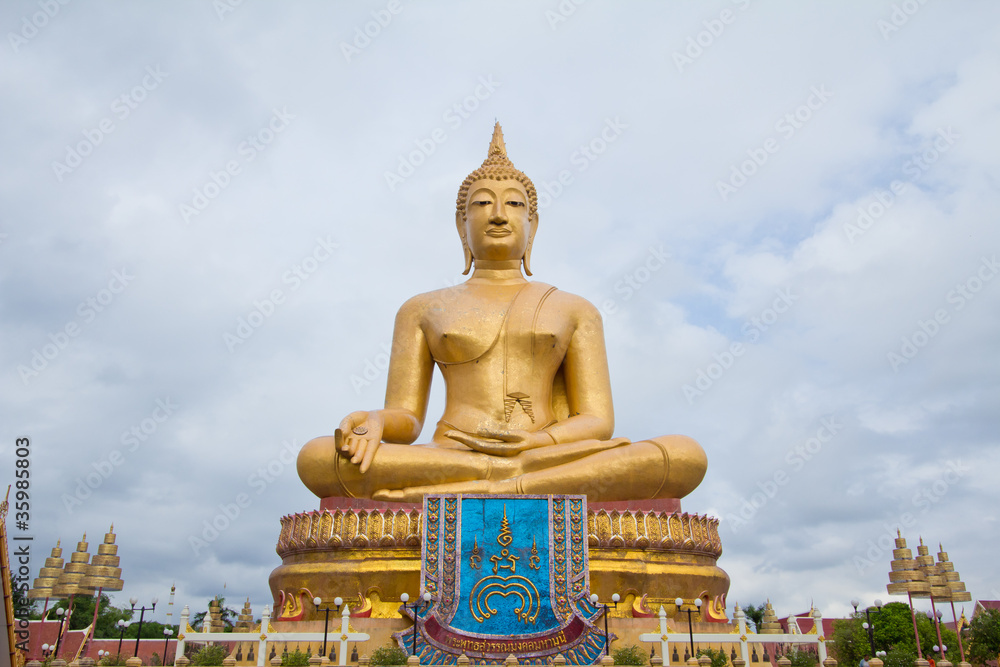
pixel 408 385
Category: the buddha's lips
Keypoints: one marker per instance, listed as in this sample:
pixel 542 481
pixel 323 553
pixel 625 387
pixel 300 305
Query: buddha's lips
pixel 498 232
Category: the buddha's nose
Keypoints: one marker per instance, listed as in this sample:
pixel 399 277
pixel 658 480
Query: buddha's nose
pixel 497 215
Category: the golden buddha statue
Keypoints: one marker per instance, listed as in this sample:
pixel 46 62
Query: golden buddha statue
pixel 528 406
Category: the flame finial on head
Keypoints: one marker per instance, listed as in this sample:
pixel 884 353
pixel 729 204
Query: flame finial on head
pixel 497 146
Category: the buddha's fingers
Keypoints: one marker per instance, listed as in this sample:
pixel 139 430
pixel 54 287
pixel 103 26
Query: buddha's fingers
pixel 484 446
pixel 369 454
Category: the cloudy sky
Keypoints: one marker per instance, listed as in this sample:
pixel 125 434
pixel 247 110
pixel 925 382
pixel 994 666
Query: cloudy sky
pixel 786 212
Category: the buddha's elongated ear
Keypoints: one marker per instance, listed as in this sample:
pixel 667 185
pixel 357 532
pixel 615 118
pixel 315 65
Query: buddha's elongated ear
pixel 533 221
pixel 460 224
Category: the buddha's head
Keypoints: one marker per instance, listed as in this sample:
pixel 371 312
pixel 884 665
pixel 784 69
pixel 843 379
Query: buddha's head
pixel 496 190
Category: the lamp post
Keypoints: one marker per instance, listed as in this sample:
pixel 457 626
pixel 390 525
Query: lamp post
pixel 425 600
pixel 122 625
pixel 63 617
pixel 867 625
pixel 142 612
pixel 697 603
pixel 937 626
pixel 614 598
pixel 326 623
pixel 46 650
pixel 166 638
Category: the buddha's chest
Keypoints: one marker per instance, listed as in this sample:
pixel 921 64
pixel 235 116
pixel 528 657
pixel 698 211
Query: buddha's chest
pixel 484 334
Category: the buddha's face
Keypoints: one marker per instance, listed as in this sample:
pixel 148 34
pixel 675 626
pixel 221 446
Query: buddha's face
pixel 497 224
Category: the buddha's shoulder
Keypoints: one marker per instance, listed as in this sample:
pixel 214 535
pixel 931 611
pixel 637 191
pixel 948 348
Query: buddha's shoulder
pixel 457 294
pixel 576 305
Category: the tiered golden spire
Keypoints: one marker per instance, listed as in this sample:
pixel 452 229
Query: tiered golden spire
pixel 907 575
pixel 104 572
pixel 938 586
pixel 956 587
pixel 70 581
pixel 245 621
pixel 769 623
pixel 213 619
pixel 48 575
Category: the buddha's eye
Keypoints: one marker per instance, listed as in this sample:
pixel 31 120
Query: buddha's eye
pixel 483 202
pixel 515 203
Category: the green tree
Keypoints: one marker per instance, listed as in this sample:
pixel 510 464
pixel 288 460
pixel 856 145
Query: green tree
pixel 83 614
pixel 630 655
pixel 150 630
pixel 755 613
pixel 892 631
pixel 984 637
pixel 718 656
pixel 390 654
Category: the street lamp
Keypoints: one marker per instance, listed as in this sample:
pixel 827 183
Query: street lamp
pixel 142 612
pixel 166 637
pixel 697 603
pixel 867 625
pixel 614 598
pixel 426 600
pixel 46 650
pixel 122 625
pixel 937 626
pixel 63 617
pixel 326 623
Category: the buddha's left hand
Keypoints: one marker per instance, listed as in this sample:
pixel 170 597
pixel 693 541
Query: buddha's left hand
pixel 502 443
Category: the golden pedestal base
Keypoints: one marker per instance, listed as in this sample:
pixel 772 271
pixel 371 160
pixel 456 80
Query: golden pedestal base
pixel 370 555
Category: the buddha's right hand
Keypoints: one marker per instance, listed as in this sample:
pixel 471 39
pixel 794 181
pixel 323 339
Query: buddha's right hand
pixel 359 437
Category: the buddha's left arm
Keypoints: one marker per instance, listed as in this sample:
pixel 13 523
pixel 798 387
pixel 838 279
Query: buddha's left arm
pixel 588 383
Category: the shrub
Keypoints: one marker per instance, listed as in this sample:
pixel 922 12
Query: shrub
pixel 802 658
pixel 295 659
pixel 210 656
pixel 388 655
pixel 630 655
pixel 718 656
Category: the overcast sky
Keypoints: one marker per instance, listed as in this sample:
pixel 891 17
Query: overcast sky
pixel 787 213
